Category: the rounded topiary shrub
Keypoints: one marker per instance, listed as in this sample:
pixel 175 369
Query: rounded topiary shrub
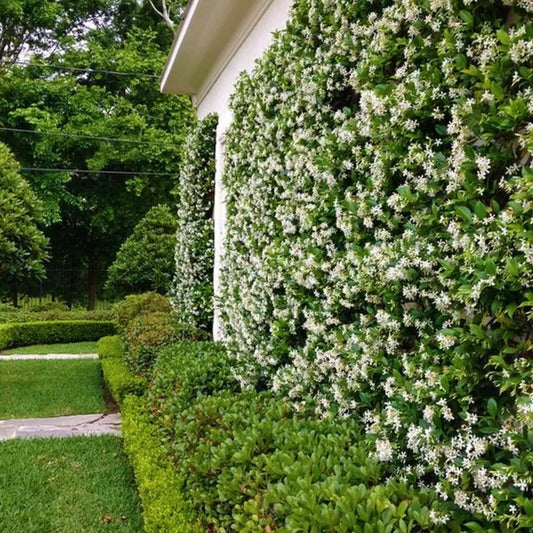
pixel 139 304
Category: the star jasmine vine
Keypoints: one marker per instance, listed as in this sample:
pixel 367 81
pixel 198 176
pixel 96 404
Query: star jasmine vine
pixel 192 293
pixel 379 251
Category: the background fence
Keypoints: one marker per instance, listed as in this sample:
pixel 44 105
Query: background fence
pixel 73 287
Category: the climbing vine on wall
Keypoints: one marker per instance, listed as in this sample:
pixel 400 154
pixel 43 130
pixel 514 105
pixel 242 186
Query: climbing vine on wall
pixel 192 294
pixel 379 254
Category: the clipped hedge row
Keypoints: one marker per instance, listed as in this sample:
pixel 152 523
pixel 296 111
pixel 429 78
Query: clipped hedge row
pixel 165 508
pixel 247 462
pixel 10 315
pixel 28 333
pixel 119 379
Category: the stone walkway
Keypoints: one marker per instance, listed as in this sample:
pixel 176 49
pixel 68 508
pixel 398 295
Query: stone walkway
pixel 60 426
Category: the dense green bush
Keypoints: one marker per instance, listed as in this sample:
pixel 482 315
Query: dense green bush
pixel 379 240
pixel 192 292
pixel 145 261
pixel 120 381
pixel 48 312
pixel 28 333
pixel 22 244
pixel 186 371
pixel 249 464
pixel 165 506
pixel 139 304
pixel 144 335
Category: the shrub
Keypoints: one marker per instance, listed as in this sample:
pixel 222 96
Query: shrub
pixel 145 261
pixel 248 463
pixel 50 313
pixel 165 507
pixel 119 379
pixel 185 372
pixel 138 304
pixel 192 293
pixel 378 249
pixel 22 244
pixel 111 346
pixel 144 334
pixel 28 333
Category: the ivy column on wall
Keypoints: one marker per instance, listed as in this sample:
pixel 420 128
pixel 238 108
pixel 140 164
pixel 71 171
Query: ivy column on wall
pixel 192 293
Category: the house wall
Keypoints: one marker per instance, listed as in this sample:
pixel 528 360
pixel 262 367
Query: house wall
pixel 213 97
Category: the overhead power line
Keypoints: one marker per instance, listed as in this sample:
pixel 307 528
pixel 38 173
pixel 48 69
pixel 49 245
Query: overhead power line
pixel 90 171
pixel 78 69
pixel 93 137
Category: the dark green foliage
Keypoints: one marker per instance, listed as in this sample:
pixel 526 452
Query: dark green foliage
pixel 145 261
pixel 165 506
pixel 24 334
pixel 22 244
pixel 187 371
pixel 119 379
pixel 144 335
pixel 47 312
pixel 137 304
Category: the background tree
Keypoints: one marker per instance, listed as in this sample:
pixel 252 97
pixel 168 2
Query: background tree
pixel 145 262
pixel 99 85
pixel 22 244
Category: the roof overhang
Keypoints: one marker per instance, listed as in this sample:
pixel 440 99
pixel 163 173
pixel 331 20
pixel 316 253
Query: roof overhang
pixel 207 29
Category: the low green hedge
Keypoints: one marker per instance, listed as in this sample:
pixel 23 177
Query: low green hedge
pixel 28 333
pixel 119 379
pixel 248 462
pixel 165 509
pixel 46 313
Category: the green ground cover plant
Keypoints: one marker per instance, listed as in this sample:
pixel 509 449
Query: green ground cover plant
pixel 71 347
pixel 31 389
pixel 27 333
pixel 378 260
pixel 81 485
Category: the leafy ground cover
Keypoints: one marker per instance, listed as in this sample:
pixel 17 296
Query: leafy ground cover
pixel 41 349
pixel 81 484
pixel 50 388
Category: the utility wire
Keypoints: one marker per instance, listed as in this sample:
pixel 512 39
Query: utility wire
pixel 89 171
pixel 76 69
pixel 80 136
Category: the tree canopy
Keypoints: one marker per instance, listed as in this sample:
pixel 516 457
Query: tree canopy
pixel 87 100
pixel 22 243
pixel 145 261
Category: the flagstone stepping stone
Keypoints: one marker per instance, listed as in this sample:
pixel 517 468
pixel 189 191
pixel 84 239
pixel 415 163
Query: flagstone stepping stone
pixel 60 426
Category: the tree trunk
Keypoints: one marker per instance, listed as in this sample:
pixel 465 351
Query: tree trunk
pixel 15 293
pixel 92 285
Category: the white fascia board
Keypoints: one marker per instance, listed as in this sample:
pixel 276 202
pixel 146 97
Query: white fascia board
pixel 208 27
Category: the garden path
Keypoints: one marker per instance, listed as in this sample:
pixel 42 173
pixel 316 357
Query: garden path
pixel 60 426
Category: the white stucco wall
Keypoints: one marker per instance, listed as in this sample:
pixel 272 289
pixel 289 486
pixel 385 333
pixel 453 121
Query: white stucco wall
pixel 213 97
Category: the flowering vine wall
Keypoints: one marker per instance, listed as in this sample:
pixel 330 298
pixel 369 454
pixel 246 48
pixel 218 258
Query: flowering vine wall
pixel 192 293
pixel 379 254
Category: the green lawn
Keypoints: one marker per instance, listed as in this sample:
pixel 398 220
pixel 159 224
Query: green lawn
pixel 70 485
pixel 30 389
pixel 38 349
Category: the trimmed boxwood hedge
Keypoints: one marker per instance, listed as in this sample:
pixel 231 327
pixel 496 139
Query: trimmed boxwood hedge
pixel 118 377
pixel 28 333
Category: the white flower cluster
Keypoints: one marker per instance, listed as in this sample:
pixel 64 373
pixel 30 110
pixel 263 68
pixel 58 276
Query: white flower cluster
pixel 192 292
pixel 378 254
